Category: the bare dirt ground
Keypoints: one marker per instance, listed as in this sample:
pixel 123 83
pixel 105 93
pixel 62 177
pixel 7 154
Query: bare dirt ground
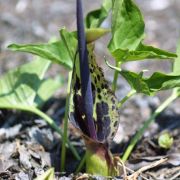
pixel 28 146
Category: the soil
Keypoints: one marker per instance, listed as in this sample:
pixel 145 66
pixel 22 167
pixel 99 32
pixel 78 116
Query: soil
pixel 28 146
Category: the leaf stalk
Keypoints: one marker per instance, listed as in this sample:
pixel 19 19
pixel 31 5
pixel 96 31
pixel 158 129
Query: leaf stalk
pixel 116 73
pixel 130 94
pixel 65 133
pixel 146 124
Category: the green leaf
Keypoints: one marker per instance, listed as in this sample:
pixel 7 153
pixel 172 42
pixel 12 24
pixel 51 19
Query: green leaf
pixel 24 87
pixel 142 52
pixel 128 34
pixel 70 42
pixel 48 175
pixel 95 18
pixel 127 26
pixel 176 65
pixel 158 81
pixel 63 51
pixel 56 52
pixel 47 88
pixel 150 85
pixel 152 52
pixel 176 68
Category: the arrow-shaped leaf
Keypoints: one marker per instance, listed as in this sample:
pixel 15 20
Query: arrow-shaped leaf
pixel 60 52
pixel 128 34
pixel 24 87
pixel 55 52
pixel 150 85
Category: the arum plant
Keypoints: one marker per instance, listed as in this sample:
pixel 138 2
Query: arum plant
pixel 61 52
pixel 93 108
pixel 123 50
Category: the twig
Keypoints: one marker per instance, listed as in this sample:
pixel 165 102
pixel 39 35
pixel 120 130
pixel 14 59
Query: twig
pixel 125 169
pixel 135 175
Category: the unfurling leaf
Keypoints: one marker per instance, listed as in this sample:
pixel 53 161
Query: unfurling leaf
pixel 95 18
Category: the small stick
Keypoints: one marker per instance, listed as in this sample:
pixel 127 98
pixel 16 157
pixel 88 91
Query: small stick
pixel 135 175
pixel 128 169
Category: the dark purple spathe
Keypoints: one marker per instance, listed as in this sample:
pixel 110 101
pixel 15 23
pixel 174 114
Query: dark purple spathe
pixel 86 89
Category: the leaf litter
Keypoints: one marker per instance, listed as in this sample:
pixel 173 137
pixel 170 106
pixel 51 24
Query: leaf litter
pixel 35 148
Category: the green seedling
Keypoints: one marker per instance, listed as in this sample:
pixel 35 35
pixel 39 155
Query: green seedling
pixel 165 140
pixel 91 104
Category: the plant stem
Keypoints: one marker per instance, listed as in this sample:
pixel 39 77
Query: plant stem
pixel 140 133
pixel 116 73
pixel 130 94
pixel 99 159
pixel 83 160
pixel 47 119
pixel 64 140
